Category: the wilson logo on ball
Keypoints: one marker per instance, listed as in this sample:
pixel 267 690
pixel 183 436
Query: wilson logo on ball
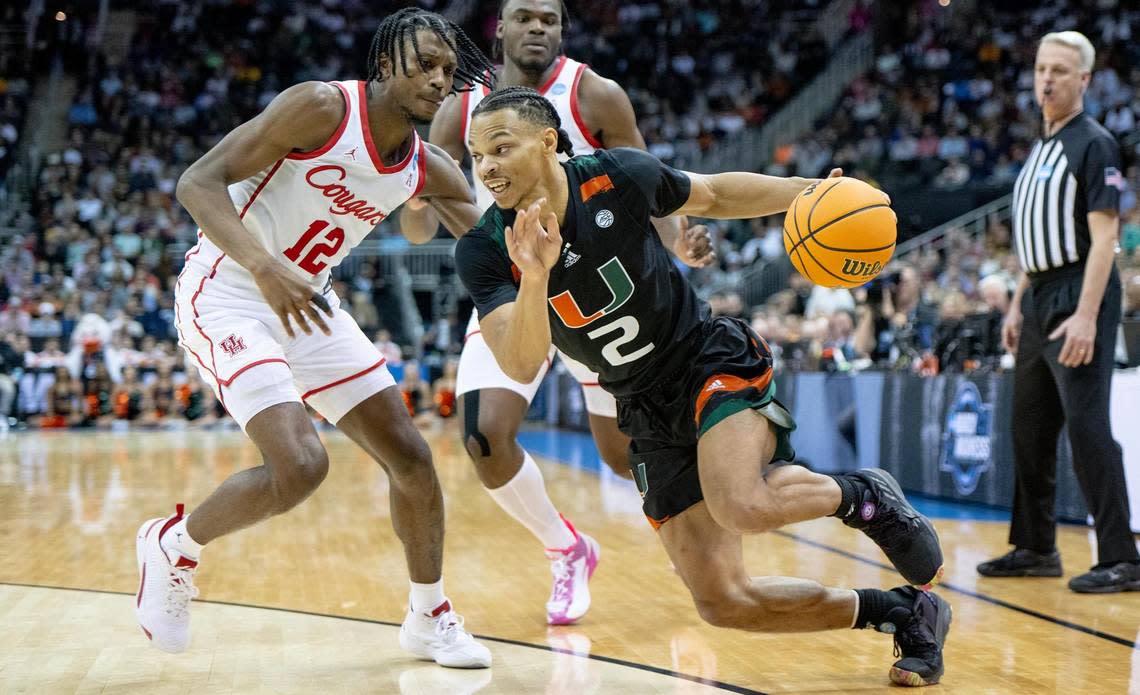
pixel 856 268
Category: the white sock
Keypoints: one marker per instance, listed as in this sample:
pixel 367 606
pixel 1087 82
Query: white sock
pixel 855 617
pixel 524 498
pixel 177 539
pixel 427 597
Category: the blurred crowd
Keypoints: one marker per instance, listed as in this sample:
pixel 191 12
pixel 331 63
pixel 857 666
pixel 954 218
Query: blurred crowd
pixel 86 281
pixel 938 309
pixel 950 100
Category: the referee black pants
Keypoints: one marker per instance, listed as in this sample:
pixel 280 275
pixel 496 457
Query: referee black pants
pixel 1047 395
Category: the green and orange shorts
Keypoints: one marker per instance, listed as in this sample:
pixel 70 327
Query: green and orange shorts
pixel 726 368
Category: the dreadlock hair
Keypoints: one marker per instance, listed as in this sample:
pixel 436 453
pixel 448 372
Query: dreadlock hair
pixel 473 68
pixel 497 47
pixel 530 106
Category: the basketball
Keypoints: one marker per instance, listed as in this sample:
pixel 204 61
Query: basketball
pixel 840 232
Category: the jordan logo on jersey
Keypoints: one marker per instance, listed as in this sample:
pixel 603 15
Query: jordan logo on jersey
pixel 621 288
pixel 232 345
pixel 351 154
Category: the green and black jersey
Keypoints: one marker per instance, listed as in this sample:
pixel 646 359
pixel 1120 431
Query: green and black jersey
pixel 617 302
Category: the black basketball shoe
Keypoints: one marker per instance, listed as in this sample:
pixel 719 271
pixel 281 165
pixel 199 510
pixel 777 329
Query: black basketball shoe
pixel 1107 579
pixel 906 537
pixel 1023 562
pixel 920 633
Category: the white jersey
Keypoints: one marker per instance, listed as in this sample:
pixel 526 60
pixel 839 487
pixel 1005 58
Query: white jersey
pixel 562 91
pixel 310 209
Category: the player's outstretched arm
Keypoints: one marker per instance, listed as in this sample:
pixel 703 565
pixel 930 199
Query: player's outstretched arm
pixel 301 118
pixel 518 332
pixel 447 196
pixel 418 219
pixel 741 195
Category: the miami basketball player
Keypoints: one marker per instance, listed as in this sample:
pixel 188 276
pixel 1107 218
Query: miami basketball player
pixel 280 201
pixel 597 114
pixel 694 393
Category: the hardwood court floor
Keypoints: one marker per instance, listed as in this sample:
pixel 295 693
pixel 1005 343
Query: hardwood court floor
pixel 70 504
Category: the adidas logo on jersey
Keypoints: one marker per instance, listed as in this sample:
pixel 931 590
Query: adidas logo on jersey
pixel 716 385
pixel 571 258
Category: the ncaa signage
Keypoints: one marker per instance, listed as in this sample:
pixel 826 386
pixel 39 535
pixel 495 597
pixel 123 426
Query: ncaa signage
pixel 967 440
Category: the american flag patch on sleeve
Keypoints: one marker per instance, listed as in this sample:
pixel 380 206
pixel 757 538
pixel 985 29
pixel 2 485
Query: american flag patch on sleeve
pixel 1113 177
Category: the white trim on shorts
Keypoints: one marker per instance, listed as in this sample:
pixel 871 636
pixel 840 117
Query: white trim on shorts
pixel 333 373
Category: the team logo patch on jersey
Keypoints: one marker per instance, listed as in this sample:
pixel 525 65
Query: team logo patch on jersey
pixel 232 345
pixel 1045 171
pixel 604 218
pixel 558 89
pixel 617 281
pixel 1113 177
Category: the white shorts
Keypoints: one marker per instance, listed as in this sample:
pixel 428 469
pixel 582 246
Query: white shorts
pixel 241 350
pixel 479 370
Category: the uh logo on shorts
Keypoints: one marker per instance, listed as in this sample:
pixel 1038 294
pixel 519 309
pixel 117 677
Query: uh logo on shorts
pixel 232 345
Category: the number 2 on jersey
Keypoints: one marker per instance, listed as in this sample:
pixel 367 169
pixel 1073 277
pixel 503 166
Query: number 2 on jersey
pixel 334 239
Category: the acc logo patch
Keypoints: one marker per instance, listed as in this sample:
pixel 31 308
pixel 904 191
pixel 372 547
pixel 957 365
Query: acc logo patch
pixel 604 218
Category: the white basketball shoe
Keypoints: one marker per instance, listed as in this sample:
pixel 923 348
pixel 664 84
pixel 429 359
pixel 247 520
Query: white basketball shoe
pixel 166 587
pixel 572 569
pixel 439 636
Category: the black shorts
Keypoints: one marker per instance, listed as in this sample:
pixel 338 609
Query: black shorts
pixel 725 368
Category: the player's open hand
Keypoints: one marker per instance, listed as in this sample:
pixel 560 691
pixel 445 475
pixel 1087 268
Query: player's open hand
pixel 694 245
pixel 534 246
pixel 291 298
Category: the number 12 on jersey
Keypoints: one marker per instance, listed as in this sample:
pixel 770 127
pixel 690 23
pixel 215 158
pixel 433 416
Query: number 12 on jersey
pixel 334 239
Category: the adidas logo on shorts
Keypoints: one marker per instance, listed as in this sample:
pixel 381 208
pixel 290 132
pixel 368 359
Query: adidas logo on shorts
pixel 715 385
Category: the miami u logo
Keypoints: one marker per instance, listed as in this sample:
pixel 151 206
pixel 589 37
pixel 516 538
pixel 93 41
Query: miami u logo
pixel 620 286
pixel 627 327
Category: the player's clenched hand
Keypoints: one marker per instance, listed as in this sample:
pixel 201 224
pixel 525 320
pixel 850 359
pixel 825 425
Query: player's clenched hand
pixel 694 245
pixel 533 248
pixel 290 297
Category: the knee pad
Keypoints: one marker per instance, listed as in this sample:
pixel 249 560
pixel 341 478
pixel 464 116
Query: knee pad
pixel 471 431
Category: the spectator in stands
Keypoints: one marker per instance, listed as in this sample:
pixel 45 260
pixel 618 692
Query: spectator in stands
pixel 11 366
pixel 130 400
pixel 64 409
pixel 391 351
pixel 899 323
pixel 443 390
pixel 416 391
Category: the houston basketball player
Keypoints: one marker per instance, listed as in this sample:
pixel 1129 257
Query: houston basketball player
pixel 281 200
pixel 597 113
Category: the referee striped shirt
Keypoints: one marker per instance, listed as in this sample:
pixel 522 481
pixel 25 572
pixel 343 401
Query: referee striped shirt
pixel 1068 175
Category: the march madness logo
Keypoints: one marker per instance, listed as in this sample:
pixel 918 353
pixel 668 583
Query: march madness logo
pixel 967 440
pixel 232 345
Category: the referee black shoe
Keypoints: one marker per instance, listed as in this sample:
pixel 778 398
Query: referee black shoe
pixel 920 634
pixel 1107 579
pixel 1023 562
pixel 907 538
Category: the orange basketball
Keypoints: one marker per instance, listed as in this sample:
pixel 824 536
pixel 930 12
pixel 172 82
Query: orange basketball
pixel 840 232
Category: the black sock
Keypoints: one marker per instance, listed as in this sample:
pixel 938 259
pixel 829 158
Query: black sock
pixel 848 495
pixel 875 605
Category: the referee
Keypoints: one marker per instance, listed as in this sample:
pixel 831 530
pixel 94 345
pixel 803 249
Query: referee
pixel 1062 325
